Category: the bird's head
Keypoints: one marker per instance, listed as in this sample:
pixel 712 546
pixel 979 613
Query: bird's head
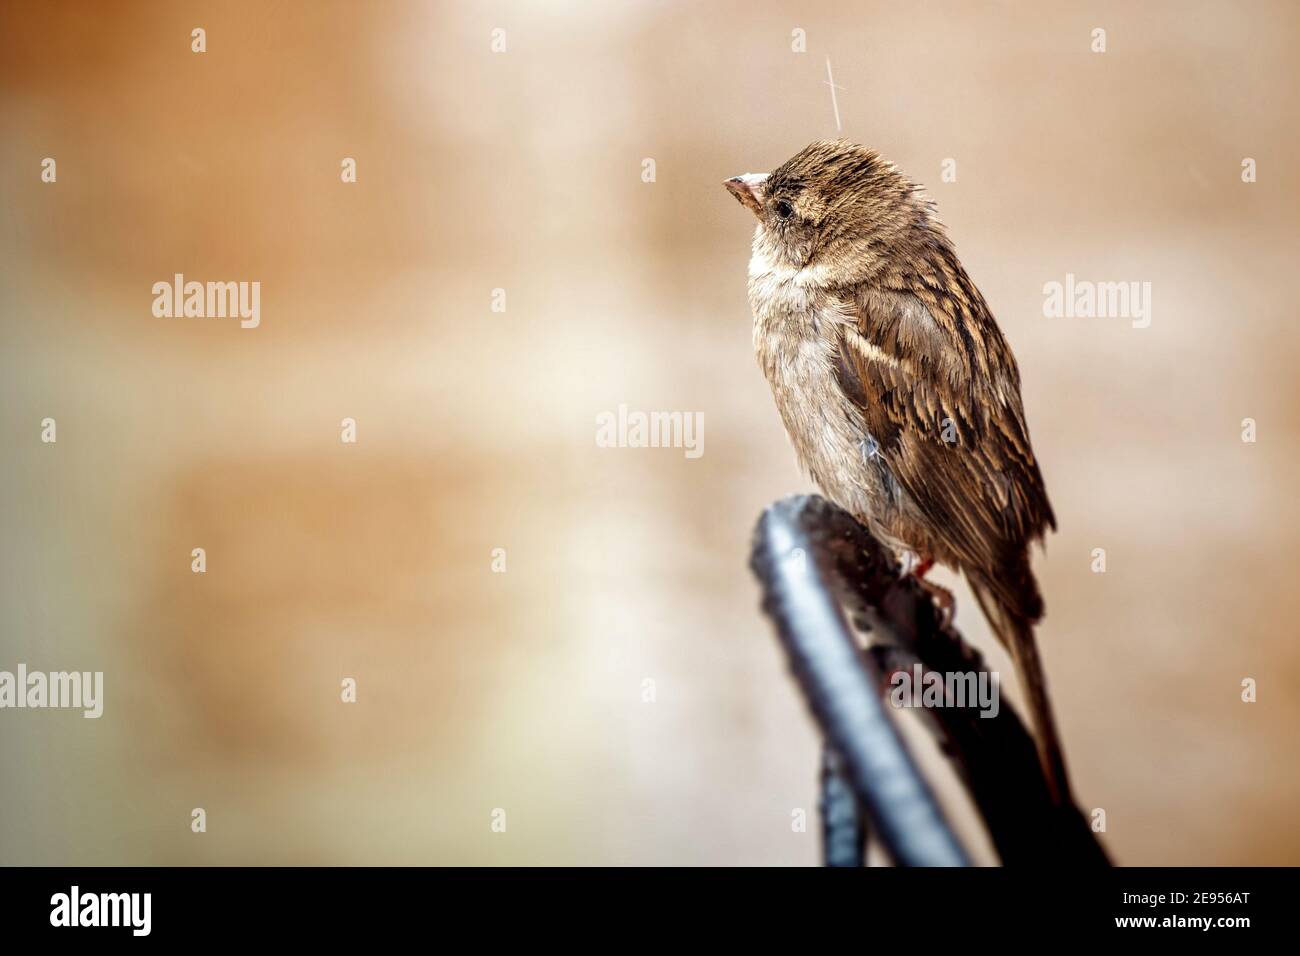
pixel 836 204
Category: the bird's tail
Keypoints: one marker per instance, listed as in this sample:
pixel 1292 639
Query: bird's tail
pixel 1012 620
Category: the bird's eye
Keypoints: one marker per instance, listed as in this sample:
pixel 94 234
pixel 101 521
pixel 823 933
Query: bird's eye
pixel 784 210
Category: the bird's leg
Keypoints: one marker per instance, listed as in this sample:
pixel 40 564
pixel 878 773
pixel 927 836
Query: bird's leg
pixel 912 563
pixel 941 596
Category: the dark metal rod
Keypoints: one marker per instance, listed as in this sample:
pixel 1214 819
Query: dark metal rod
pixel 844 832
pixel 828 665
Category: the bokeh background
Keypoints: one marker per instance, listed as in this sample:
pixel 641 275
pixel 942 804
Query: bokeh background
pixel 522 170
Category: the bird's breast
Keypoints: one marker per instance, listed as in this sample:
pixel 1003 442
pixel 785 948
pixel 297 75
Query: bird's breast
pixel 795 339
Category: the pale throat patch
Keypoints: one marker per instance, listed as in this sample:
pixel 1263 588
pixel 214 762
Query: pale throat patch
pixel 776 287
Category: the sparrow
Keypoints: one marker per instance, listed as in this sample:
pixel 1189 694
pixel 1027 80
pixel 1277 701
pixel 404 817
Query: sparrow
pixel 896 387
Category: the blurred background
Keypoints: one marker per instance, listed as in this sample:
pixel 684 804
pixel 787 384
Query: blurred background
pixel 521 170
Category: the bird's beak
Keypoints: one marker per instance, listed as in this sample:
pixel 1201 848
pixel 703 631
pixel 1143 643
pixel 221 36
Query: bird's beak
pixel 748 189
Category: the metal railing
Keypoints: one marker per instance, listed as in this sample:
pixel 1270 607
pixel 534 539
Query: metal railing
pixel 825 581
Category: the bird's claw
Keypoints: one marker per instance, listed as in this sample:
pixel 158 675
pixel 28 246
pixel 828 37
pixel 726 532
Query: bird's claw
pixel 942 598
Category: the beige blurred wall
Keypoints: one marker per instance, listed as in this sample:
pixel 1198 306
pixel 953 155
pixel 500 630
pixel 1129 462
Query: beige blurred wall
pixel 522 170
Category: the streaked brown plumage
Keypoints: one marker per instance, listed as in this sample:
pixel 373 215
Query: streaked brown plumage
pixel 896 387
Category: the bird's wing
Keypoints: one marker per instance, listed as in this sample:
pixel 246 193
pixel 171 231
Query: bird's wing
pixel 939 391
